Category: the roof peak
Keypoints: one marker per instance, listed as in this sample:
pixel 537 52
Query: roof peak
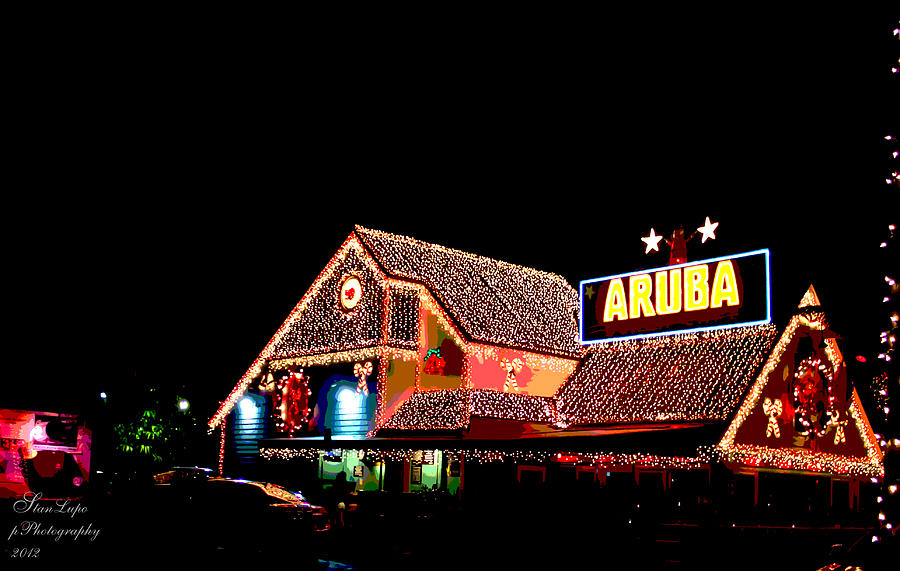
pixel 810 298
pixel 411 240
pixel 492 301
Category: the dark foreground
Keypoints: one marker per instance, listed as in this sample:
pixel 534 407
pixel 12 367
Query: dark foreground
pixel 518 528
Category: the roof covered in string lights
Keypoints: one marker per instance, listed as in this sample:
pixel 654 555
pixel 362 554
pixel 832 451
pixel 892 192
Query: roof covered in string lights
pixel 491 300
pixel 697 376
pixel 684 378
pixel 453 409
pixel 690 377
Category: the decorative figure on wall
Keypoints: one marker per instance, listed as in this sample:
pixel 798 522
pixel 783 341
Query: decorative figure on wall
pixel 362 373
pixel 299 398
pixel 773 409
pixel 351 293
pixel 292 401
pixel 434 363
pixel 839 437
pixel 812 398
pixel 267 383
pixel 512 369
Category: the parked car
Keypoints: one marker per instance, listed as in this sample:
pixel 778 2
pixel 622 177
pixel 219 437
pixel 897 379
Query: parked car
pixel 182 473
pixel 232 515
pixel 867 553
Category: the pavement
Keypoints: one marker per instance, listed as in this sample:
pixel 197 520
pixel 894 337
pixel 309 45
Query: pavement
pixel 512 529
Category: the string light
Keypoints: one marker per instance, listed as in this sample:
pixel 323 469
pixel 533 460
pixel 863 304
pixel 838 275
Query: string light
pixel 520 318
pixel 694 376
pixel 600 459
pixel 697 376
pixel 386 316
pixel 403 316
pixel 800 459
pixel 291 401
pixel 429 410
pixel 494 301
pixel 881 387
pixel 222 447
pixel 880 390
pixel 807 382
pixel 803 458
pixel 325 325
pixel 511 406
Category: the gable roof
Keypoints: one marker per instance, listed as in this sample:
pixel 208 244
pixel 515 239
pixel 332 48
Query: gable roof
pixel 492 301
pixel 766 436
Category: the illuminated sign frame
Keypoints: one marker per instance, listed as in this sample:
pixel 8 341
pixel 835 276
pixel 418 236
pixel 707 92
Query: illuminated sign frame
pixel 643 335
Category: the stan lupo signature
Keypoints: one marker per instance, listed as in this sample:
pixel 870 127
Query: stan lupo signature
pixel 29 504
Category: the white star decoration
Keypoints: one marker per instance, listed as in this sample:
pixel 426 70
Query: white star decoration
pixel 652 241
pixel 708 230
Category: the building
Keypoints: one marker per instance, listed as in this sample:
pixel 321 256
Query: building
pixel 43 452
pixel 410 366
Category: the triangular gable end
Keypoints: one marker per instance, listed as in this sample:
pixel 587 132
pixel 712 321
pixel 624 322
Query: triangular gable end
pixel 351 260
pixel 798 415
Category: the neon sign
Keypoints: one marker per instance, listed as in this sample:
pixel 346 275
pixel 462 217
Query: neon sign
pixel 718 293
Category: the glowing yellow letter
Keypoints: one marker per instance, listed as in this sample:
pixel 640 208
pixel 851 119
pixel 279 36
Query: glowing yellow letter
pixel 639 290
pixel 724 288
pixel 667 303
pixel 615 302
pixel 696 288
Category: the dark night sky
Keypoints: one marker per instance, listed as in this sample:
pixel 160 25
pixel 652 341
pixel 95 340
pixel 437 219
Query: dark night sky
pixel 171 218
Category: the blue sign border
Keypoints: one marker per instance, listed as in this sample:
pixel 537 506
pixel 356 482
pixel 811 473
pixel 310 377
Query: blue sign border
pixel 768 318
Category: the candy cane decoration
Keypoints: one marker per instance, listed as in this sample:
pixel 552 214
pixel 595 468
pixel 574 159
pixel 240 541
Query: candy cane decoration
pixel 772 409
pixel 362 373
pixel 267 383
pixel 512 369
pixel 839 428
